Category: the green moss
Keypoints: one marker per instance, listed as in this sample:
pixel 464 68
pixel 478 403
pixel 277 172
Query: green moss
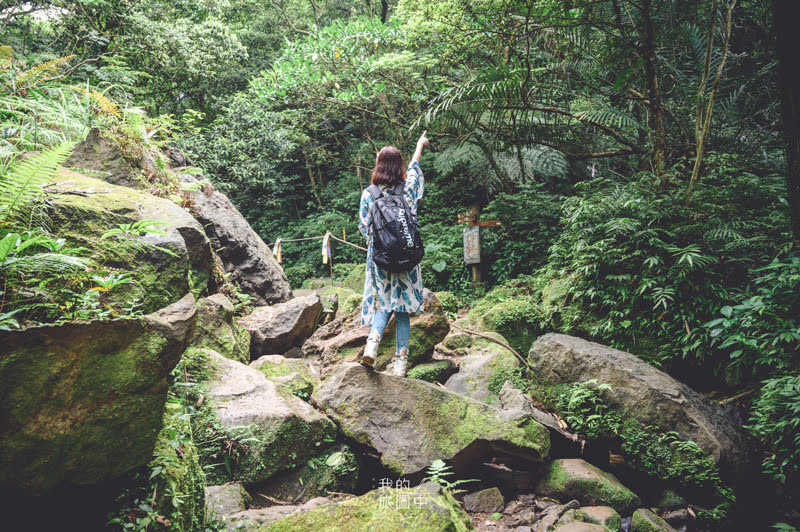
pixel 646 521
pixel 614 523
pixel 439 513
pixel 179 483
pixel 518 320
pixel 334 469
pixel 601 488
pixel 449 302
pixel 437 371
pixel 354 280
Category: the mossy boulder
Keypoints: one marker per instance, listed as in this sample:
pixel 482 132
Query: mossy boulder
pixel 335 468
pixel 276 329
pixel 425 508
pixel 81 403
pixel 517 320
pixel 436 371
pixel 165 267
pixel 292 373
pixel 572 478
pixel 181 473
pixel 217 329
pixel 646 521
pixel 484 359
pixel 651 397
pixel 411 422
pixel 253 426
pixel 226 500
pixel 449 301
pixel 457 340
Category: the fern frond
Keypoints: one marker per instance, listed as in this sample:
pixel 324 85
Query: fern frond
pixel 32 76
pixel 610 117
pixel 25 181
pixel 106 106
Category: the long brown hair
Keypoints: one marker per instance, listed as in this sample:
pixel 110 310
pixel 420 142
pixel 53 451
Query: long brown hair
pixel 389 167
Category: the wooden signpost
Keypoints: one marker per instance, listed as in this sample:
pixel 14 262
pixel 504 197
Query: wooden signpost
pixel 472 239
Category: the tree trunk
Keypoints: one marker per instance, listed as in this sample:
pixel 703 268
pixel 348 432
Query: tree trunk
pixel 653 92
pixel 384 10
pixel 786 15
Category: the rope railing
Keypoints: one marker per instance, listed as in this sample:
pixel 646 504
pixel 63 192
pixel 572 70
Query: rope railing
pixel 326 252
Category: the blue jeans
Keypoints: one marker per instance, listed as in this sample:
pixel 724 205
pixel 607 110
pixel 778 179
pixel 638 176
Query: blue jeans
pixel 403 329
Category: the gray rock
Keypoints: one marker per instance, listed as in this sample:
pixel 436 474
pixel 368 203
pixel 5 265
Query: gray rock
pixel 281 430
pixel 218 330
pixel 486 501
pixel 82 403
pixel 650 396
pixel 412 422
pixel 601 515
pixel 524 518
pixel 252 520
pixel 226 500
pixel 475 370
pixel 678 518
pixel 243 253
pixel 547 523
pixel 523 529
pixel 571 505
pixel 276 329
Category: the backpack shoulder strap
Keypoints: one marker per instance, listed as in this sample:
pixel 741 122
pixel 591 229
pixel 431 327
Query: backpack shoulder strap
pixel 399 188
pixel 375 192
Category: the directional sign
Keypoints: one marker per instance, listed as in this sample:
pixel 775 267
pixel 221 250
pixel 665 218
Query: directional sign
pixel 488 223
pixel 469 217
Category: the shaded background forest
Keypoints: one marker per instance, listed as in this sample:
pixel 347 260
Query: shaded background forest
pixel 633 151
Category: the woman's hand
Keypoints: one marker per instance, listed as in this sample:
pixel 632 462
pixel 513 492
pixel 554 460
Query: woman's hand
pixel 421 143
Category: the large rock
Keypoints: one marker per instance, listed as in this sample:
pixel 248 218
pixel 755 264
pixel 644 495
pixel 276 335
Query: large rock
pixel 486 501
pixel 226 500
pixel 344 338
pixel 483 361
pixel 261 427
pixel 103 156
pixel 650 396
pixel 294 374
pixel 165 267
pixel 573 478
pixel 83 402
pixel 243 253
pixel 425 508
pixel 257 518
pixel 411 422
pixel 218 330
pixel 274 330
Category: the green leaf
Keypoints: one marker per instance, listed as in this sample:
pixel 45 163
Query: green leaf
pixel 439 266
pixel 335 459
pixel 7 244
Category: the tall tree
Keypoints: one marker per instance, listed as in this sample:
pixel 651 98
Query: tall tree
pixel 786 17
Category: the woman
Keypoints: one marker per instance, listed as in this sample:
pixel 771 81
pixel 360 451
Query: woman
pixel 385 292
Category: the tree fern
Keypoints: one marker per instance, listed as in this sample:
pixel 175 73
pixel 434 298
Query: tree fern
pixel 26 180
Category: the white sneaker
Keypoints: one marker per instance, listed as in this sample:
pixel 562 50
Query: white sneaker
pixel 400 364
pixel 370 352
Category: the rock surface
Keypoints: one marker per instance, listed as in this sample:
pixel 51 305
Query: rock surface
pixel 102 155
pixel 218 330
pixel 275 329
pixel 572 478
pixel 83 402
pixel 254 519
pixel 648 395
pixel 436 371
pixel 293 373
pixel 165 266
pixel 273 429
pixel 226 499
pixel 243 253
pixel 486 501
pixel 646 521
pixel 344 338
pixel 411 422
pixel 475 370
pixel 600 515
pixel 390 509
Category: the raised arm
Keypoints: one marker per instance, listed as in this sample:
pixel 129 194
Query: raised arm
pixel 421 143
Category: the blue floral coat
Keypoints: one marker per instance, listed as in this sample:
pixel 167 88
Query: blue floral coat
pixel 387 291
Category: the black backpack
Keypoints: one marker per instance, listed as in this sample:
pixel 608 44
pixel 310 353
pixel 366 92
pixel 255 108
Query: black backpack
pixel 397 244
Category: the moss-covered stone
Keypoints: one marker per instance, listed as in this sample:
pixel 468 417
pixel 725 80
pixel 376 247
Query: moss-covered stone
pixel 646 521
pixel 600 515
pixel 477 369
pixel 292 373
pixel 426 508
pixel 165 267
pixel 449 301
pixel 180 484
pixel 576 479
pixel 82 402
pixel 218 330
pixel 251 427
pixel 437 371
pixel 411 422
pixel 457 340
pixel 335 468
pixel 516 319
